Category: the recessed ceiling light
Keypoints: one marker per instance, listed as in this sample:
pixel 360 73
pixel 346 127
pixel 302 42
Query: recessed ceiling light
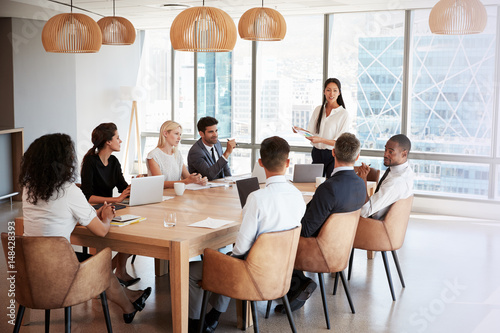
pixel 171 6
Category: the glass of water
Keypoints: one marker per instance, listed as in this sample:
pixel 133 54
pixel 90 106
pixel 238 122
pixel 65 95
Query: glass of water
pixel 169 219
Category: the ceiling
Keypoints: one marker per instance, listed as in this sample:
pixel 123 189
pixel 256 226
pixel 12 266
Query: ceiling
pixel 151 14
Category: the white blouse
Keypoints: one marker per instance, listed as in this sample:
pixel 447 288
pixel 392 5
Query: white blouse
pixel 59 215
pixel 331 127
pixel 170 165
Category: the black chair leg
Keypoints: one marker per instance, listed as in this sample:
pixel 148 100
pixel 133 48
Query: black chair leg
pixel 85 250
pixel 47 320
pixel 206 296
pixel 67 319
pixel 289 313
pixel 19 318
pixel 346 289
pixel 253 306
pixel 396 261
pixel 388 272
pixel 335 283
pixel 323 297
pixel 268 309
pixel 244 305
pixel 133 259
pixel 351 259
pixel 105 310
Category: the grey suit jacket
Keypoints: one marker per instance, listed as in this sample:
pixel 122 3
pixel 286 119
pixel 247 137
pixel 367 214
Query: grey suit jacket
pixel 200 161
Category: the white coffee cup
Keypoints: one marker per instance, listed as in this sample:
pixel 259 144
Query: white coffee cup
pixel 179 188
pixel 319 180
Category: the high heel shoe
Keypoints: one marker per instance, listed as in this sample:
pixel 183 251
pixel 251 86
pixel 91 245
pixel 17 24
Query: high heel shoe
pixel 129 282
pixel 128 317
pixel 140 303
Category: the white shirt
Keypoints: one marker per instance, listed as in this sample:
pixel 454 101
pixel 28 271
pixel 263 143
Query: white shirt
pixel 397 185
pixel 59 215
pixel 331 127
pixel 209 149
pixel 170 165
pixel 279 206
pixel 337 169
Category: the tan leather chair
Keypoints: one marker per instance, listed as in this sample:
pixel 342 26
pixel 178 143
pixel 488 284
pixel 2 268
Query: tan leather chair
pixel 329 252
pixel 373 174
pixel 49 276
pixel 264 275
pixel 386 235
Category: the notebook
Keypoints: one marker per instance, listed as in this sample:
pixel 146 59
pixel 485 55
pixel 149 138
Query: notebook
pixel 307 173
pixel 146 190
pixel 259 172
pixel 245 187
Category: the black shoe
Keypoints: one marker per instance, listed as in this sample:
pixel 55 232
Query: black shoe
pixel 306 290
pixel 210 328
pixel 193 325
pixel 140 303
pixel 129 282
pixel 294 306
pixel 128 317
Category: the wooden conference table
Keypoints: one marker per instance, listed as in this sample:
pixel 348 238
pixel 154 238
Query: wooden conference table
pixel 150 238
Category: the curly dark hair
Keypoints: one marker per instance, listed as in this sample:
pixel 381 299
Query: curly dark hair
pixel 47 165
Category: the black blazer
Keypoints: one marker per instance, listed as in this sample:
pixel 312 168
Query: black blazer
pixel 342 193
pixel 200 161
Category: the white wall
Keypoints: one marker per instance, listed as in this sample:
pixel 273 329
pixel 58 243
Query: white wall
pixel 70 93
pixel 44 84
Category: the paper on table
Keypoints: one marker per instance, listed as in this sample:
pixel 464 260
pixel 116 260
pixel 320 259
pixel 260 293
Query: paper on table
pixel 165 198
pixel 195 187
pixel 210 223
pixel 308 193
pixel 121 224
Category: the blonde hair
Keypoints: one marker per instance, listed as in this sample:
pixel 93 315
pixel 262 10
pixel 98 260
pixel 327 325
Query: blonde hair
pixel 167 126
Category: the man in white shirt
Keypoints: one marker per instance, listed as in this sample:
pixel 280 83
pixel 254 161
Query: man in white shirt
pixel 397 181
pixel 279 206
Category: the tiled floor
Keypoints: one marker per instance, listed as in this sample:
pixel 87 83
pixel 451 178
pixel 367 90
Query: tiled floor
pixel 451 267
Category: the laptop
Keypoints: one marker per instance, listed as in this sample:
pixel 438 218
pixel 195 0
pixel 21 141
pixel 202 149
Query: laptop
pixel 146 190
pixel 307 173
pixel 259 172
pixel 245 187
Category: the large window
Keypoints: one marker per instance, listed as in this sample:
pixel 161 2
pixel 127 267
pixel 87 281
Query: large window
pixel 446 99
pixel 366 55
pixel 289 84
pixel 453 84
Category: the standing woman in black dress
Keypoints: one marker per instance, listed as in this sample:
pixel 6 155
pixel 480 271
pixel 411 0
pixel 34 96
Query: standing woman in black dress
pixel 101 173
pixel 328 121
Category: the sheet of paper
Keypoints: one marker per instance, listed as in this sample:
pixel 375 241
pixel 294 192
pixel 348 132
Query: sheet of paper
pixel 210 223
pixel 195 187
pixel 165 198
pixel 308 193
pixel 121 224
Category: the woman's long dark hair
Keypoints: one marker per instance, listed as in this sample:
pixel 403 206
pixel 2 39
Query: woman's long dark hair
pixel 340 100
pixel 100 135
pixel 47 165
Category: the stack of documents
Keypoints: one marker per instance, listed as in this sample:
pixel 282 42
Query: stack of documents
pixel 120 221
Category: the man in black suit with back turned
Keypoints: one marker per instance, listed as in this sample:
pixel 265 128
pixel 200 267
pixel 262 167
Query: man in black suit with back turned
pixel 205 156
pixel 343 192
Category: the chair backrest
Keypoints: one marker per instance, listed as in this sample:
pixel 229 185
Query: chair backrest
pixel 329 251
pixel 45 266
pixel 373 174
pixel 270 261
pixel 396 221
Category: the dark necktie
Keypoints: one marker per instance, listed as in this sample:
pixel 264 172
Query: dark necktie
pixel 383 178
pixel 221 174
pixel 213 155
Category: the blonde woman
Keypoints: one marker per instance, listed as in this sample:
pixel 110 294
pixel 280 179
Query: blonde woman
pixel 166 159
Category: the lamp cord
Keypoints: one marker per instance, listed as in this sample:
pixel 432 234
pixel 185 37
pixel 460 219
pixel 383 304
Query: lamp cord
pixel 113 7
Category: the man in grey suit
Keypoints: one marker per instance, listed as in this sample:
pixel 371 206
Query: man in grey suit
pixel 205 156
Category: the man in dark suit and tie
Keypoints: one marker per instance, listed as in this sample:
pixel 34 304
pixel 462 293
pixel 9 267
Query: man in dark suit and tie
pixel 205 156
pixel 343 192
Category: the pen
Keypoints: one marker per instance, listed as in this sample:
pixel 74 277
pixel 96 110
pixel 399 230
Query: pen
pixel 230 140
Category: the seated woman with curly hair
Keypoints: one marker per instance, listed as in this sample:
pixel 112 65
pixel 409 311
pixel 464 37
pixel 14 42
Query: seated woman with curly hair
pixel 53 205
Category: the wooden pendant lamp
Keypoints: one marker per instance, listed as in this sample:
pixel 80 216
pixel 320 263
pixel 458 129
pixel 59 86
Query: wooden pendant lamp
pixel 71 33
pixel 262 24
pixel 203 29
pixel 458 17
pixel 116 30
